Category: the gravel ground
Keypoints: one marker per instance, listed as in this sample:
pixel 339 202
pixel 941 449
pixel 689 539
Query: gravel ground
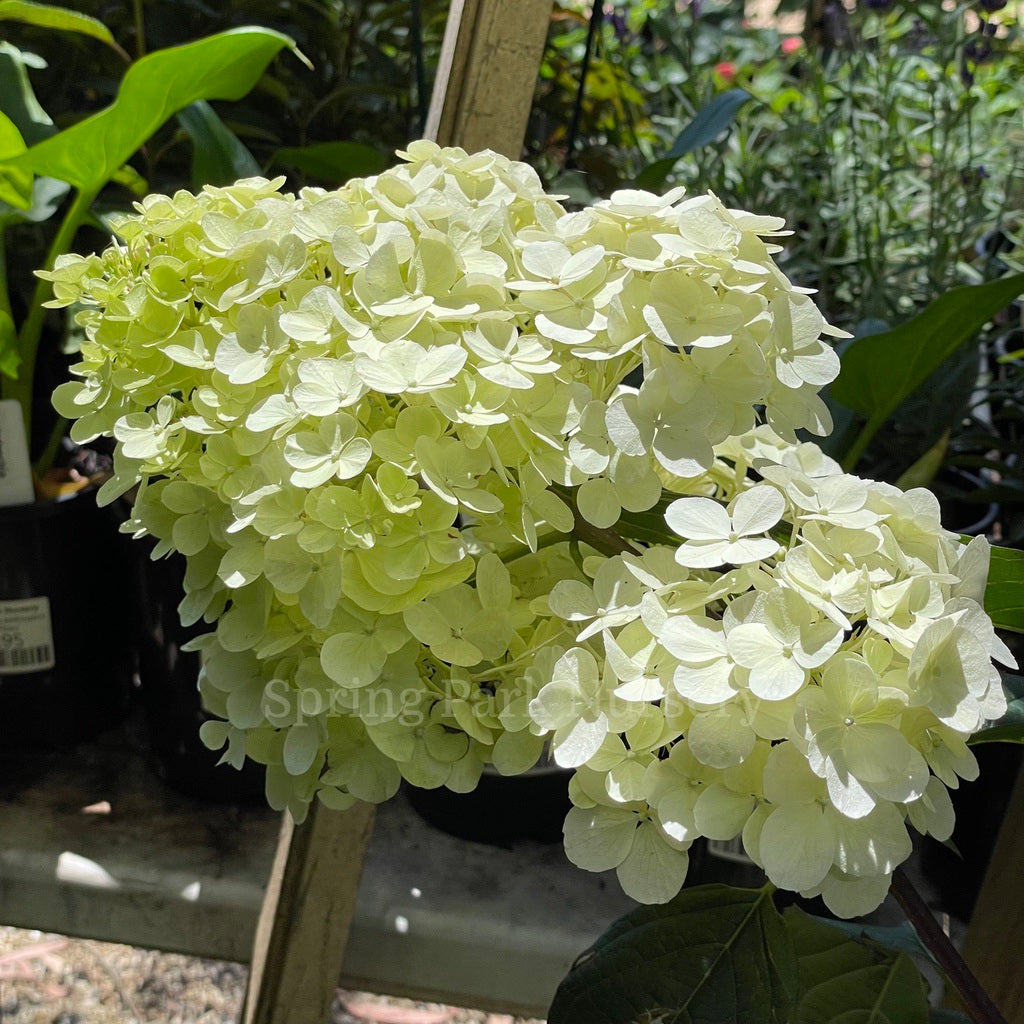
pixel 50 979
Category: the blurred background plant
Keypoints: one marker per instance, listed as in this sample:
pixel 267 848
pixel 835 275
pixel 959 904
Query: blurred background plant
pixel 359 92
pixel 889 134
pixel 889 137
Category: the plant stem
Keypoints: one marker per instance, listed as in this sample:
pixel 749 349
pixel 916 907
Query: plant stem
pixel 976 1000
pixel 140 29
pixel 32 329
pixel 606 541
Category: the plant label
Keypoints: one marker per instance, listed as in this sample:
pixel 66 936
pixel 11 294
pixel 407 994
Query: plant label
pixel 15 469
pixel 26 636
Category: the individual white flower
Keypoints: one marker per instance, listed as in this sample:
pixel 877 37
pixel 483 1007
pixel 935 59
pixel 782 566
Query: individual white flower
pixel 334 451
pixel 686 311
pixel 790 639
pixel 717 535
pixel 576 707
pixel 601 837
pixel 851 725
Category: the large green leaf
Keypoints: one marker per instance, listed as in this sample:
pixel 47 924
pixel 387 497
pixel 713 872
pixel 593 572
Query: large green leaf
pixel 48 16
pixel 880 371
pixel 218 155
pixel 712 954
pixel 711 120
pixel 1004 594
pixel 224 67
pixel 332 162
pixel 850 981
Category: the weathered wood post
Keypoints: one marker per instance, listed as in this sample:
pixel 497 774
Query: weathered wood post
pixel 485 83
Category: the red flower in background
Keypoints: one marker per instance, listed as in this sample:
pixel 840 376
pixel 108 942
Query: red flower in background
pixel 791 44
pixel 726 69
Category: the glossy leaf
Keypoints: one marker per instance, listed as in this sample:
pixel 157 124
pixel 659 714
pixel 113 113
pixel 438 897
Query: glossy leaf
pixel 880 371
pixel 224 66
pixel 710 122
pixel 1004 594
pixel 711 954
pixel 332 162
pixel 15 185
pixel 843 980
pixel 218 155
pixel 48 16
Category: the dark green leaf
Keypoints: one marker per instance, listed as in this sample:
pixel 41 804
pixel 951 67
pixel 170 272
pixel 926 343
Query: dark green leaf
pixel 711 120
pixel 948 1017
pixel 332 162
pixel 900 938
pixel 712 954
pixel 224 66
pixel 1004 594
pixel 218 155
pixel 880 371
pixel 48 16
pixel 850 981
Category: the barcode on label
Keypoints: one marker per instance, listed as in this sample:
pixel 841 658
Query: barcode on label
pixel 26 636
pixel 729 849
pixel 24 657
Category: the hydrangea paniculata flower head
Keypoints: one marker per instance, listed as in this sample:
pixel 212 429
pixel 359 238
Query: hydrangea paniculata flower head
pixel 389 428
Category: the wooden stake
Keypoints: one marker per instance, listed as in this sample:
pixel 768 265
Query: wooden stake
pixel 304 924
pixel 487 74
pixel 481 100
pixel 995 935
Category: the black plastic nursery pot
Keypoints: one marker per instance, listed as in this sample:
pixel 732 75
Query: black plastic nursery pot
pixel 502 809
pixel 168 686
pixel 66 624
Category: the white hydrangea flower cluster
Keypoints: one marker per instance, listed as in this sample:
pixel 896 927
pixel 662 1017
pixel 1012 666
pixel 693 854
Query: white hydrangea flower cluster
pixel 389 428
pixel 814 699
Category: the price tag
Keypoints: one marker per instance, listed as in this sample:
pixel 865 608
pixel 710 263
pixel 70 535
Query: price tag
pixel 26 636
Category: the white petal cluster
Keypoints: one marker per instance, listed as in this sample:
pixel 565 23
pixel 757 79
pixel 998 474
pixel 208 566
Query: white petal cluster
pixel 387 424
pixel 813 683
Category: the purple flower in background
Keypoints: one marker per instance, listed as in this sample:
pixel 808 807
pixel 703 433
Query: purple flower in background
pixel 991 6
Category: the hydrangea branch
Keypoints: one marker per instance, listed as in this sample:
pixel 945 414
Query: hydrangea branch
pixel 976 1000
pixel 608 542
